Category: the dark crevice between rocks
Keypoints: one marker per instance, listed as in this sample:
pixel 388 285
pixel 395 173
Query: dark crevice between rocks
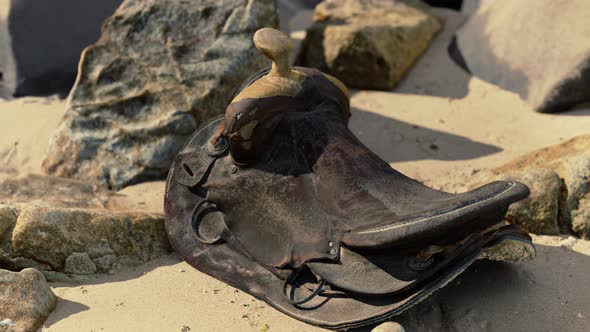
pixel 564 218
pixel 452 4
pixel 456 56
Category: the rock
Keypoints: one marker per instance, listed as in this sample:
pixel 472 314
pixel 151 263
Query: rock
pixel 7 65
pixel 104 263
pixel 296 15
pixel 45 40
pixel 581 217
pixel 469 7
pixel 389 327
pixel 509 43
pixel 7 322
pixel 571 161
pixel 25 300
pixel 123 262
pixel 539 212
pixel 50 235
pixel 367 45
pixel 79 263
pixel 74 228
pixel 159 70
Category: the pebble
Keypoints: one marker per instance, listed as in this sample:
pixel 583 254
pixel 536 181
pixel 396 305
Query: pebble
pixel 7 322
pixel 389 327
pixel 569 242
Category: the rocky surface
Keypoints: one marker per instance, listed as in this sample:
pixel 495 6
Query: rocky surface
pixel 538 213
pixel 550 203
pixel 63 225
pixel 296 15
pixel 159 70
pixel 367 45
pixel 25 300
pixel 509 43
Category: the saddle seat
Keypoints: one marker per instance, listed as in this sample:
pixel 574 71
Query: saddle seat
pixel 427 216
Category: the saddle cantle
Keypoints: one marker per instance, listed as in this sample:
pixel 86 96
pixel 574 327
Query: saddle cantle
pixel 279 199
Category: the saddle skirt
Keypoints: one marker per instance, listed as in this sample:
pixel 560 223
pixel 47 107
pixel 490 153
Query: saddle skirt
pixel 279 199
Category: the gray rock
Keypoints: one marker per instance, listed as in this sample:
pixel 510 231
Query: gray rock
pixel 104 263
pixel 296 15
pixel 7 322
pixel 469 7
pixel 368 45
pixel 49 235
pixel 539 212
pixel 124 262
pixel 159 70
pixel 511 44
pixel 571 161
pixel 79 263
pixel 71 227
pixel 25 300
pixel 7 64
pixel 581 218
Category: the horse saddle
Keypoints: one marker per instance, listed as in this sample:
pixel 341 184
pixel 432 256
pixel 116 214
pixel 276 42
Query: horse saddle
pixel 279 199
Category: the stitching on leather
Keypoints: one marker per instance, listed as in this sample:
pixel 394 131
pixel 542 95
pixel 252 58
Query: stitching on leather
pixel 390 227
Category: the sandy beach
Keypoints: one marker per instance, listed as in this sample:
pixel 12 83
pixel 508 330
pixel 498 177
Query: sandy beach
pixel 440 126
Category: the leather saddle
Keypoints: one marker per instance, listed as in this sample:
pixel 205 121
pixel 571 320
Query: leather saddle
pixel 279 199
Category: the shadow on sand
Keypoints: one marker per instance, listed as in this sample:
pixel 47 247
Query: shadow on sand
pixel 397 141
pixel 547 294
pixel 66 309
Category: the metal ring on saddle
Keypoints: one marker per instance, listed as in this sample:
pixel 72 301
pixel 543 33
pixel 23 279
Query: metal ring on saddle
pixel 207 222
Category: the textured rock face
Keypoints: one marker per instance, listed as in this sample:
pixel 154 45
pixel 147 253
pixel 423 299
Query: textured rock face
pixel 538 213
pixel 50 235
pixel 571 162
pixel 25 300
pixel 367 44
pixel 581 217
pixel 509 43
pixel 160 69
pixel 71 227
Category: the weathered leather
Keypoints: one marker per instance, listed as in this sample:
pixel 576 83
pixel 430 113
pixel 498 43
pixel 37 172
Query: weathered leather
pixel 280 184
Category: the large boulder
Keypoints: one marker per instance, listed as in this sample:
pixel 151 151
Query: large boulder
pixel 7 65
pixel 368 44
pixel 159 70
pixel 25 300
pixel 539 49
pixel 63 225
pixel 296 14
pixel 550 203
pixel 41 41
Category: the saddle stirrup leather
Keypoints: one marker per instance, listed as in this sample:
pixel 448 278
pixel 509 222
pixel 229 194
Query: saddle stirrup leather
pixel 279 199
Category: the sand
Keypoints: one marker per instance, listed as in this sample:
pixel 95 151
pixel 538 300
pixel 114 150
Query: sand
pixel 440 126
pixel 26 125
